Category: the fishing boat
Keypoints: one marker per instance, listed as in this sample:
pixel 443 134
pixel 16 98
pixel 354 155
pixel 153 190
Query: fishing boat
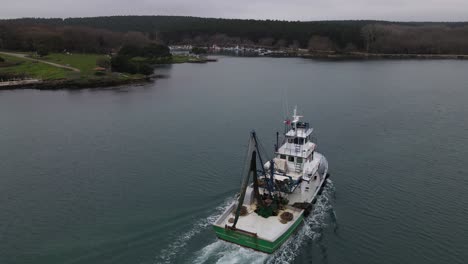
pixel 276 195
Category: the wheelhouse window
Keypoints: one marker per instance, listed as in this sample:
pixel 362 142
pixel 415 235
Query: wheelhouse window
pixel 282 156
pixel 290 140
pixel 299 160
pixel 291 158
pixel 298 141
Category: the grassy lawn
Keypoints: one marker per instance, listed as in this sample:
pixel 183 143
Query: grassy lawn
pixel 183 58
pixel 84 62
pixel 32 69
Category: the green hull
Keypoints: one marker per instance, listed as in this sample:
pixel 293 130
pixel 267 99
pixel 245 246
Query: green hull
pixel 254 242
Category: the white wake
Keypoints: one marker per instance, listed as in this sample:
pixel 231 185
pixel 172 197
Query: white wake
pixel 167 255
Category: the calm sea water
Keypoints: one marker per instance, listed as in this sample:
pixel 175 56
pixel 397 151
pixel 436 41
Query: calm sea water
pixel 138 174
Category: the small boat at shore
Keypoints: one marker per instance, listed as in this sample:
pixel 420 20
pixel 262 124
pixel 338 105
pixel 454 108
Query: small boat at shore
pixel 277 194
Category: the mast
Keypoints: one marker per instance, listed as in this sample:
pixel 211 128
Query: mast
pixel 270 181
pixel 277 141
pixel 253 149
pixel 254 136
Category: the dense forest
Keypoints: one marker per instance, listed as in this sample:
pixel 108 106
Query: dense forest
pixel 104 34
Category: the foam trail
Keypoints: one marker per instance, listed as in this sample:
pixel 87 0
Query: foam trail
pixel 222 252
pixel 311 230
pixel 167 255
pixel 227 253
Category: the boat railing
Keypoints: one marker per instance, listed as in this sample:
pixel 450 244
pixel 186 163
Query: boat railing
pixel 292 208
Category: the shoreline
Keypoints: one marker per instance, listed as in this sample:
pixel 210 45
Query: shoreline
pixel 71 78
pixel 382 56
pixel 336 55
pixel 75 84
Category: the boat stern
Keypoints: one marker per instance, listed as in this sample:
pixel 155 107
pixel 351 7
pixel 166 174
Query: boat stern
pixel 250 239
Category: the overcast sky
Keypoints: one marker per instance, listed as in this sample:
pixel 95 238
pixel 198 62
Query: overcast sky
pixel 396 10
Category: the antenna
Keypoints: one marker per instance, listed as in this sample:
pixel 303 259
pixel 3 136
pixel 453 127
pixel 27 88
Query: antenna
pixel 295 116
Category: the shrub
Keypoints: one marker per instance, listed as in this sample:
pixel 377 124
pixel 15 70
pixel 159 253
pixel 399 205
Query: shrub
pixel 99 73
pixel 145 68
pixel 156 51
pixel 129 51
pixel 122 63
pixel 103 62
pixel 150 51
pixel 133 59
pixel 197 50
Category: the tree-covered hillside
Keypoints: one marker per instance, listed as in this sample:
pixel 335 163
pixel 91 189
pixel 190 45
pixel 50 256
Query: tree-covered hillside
pixel 103 33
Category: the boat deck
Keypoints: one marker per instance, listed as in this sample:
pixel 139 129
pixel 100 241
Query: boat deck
pixel 271 228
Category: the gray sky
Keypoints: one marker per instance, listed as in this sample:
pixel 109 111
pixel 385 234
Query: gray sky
pixel 396 10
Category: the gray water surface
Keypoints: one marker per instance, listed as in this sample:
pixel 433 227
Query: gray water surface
pixel 138 174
